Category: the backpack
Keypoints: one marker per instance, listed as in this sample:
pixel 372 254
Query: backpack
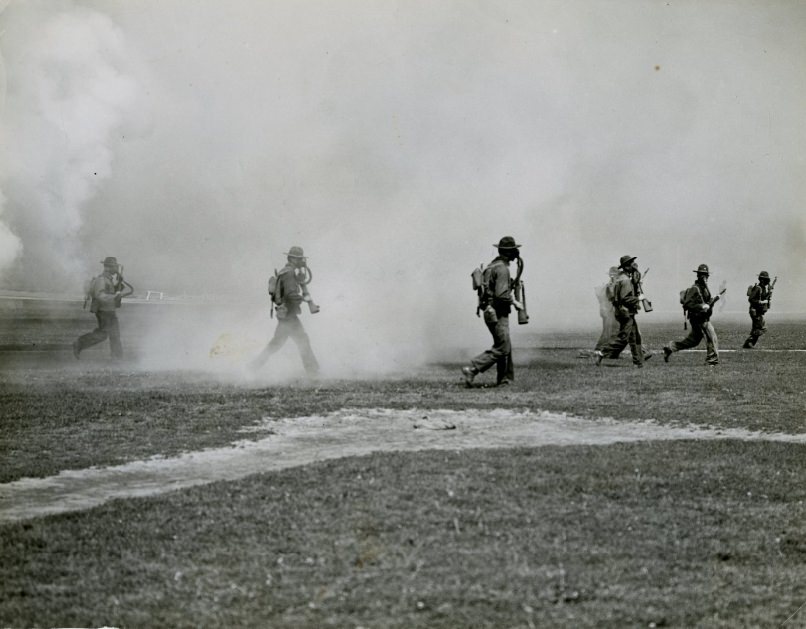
pixel 750 290
pixel 275 292
pixel 481 284
pixel 477 276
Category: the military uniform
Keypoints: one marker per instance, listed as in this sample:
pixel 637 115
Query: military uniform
pixel 698 305
pixel 104 302
pixel 499 302
pixel 288 301
pixel 759 297
pixel 626 303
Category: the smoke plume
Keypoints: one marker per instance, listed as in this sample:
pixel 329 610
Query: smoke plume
pixel 396 142
pixel 65 96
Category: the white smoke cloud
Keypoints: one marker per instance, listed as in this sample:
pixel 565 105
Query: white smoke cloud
pixel 66 94
pixel 10 244
pixel 397 141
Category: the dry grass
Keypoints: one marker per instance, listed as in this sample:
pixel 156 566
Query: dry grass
pixel 51 414
pixel 676 534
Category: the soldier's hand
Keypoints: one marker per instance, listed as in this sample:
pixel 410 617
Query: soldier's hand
pixel 763 301
pixel 518 305
pixel 705 307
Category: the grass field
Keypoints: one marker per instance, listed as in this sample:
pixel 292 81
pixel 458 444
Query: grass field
pixel 682 533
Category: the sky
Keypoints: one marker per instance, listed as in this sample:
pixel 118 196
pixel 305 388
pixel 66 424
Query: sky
pixel 397 142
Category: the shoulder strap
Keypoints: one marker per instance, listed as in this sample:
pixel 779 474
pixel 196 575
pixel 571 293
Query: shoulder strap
pixel 615 289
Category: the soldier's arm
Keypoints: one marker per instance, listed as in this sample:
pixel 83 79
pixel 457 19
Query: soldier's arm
pixel 698 302
pixel 502 291
pixel 100 293
pixel 755 297
pixel 291 289
pixel 627 294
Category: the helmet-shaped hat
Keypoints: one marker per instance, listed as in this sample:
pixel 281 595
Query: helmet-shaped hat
pixel 295 252
pixel 507 242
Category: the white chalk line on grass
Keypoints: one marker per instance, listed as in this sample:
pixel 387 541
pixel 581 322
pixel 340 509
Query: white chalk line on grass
pixel 755 350
pixel 347 432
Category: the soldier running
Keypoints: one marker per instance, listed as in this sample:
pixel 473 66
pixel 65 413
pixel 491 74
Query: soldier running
pixel 105 294
pixel 698 304
pixel 759 295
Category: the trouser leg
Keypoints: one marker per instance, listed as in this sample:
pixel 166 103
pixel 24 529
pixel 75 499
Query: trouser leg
pixel 281 334
pixel 505 368
pixel 695 335
pixel 635 340
pixel 711 344
pixel 502 346
pixel 113 328
pixel 616 344
pixel 758 328
pixel 98 335
pixel 612 325
pixel 303 343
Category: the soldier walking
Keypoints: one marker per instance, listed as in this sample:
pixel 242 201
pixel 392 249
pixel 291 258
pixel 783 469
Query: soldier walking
pixel 496 302
pixel 288 294
pixel 759 295
pixel 698 304
pixel 626 303
pixel 105 294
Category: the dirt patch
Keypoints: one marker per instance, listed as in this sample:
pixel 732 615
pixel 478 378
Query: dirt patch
pixel 346 432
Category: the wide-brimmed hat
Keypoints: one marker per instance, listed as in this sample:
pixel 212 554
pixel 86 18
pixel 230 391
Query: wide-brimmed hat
pixel 109 260
pixel 507 242
pixel 295 252
pixel 763 275
pixel 625 260
pixel 703 268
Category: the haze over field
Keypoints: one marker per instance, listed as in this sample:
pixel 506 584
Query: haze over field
pixel 396 142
